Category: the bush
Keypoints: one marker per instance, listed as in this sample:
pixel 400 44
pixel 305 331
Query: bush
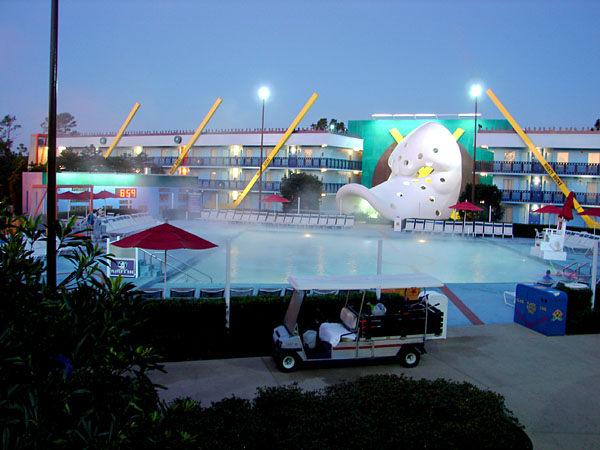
pixel 379 411
pixel 71 373
pixel 188 329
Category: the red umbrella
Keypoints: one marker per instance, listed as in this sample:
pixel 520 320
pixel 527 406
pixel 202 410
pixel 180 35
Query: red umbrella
pixel 548 209
pixel 164 237
pixel 466 206
pixel 69 195
pixel 567 209
pixel 275 199
pixel 103 195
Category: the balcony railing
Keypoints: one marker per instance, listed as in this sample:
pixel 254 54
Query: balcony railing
pixel 534 167
pixel 254 161
pixel 267 186
pixel 546 197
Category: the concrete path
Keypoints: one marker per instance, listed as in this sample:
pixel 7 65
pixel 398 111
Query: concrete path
pixel 552 384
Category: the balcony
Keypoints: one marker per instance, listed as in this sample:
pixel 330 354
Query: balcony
pixel 267 186
pixel 254 162
pixel 534 167
pixel 545 197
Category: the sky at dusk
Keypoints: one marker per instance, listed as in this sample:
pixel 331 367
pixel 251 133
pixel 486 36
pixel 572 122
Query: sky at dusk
pixel 541 58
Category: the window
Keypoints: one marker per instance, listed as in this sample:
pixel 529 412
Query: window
pixel 510 156
pixel 508 214
pixel 562 157
pixel 508 184
pixel 592 187
pixel 594 158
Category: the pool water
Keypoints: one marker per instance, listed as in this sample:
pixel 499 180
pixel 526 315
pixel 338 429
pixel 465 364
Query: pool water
pixel 269 255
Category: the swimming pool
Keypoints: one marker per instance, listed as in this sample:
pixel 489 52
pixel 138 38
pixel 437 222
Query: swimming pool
pixel 261 255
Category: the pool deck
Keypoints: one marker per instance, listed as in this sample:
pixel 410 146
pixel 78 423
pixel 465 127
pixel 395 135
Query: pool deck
pixel 549 383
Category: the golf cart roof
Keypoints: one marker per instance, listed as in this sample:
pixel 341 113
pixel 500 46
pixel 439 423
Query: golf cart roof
pixel 357 282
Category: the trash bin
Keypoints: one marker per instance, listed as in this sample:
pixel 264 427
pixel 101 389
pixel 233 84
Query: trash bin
pixel 541 308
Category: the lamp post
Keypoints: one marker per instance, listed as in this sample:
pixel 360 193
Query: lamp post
pixel 475 92
pixel 263 94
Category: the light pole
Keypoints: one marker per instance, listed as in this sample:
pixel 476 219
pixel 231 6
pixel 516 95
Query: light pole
pixel 263 94
pixel 475 92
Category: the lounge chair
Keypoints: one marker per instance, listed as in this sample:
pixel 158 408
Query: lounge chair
pixel 212 293
pixel 268 291
pixel 498 229
pixel 488 229
pixel 438 226
pixel 241 292
pixel 182 292
pixel 151 293
pixel 479 229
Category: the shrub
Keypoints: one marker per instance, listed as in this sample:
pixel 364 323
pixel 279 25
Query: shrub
pixel 188 329
pixel 70 369
pixel 378 411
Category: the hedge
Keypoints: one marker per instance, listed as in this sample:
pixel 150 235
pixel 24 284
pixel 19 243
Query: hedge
pixel 192 329
pixel 377 411
pixel 188 329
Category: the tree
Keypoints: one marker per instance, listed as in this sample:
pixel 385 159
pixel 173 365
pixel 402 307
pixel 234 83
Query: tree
pixel 12 165
pixel 333 125
pixel 597 125
pixel 7 125
pixel 65 124
pixel 320 125
pixel 337 126
pixel 307 187
pixel 485 195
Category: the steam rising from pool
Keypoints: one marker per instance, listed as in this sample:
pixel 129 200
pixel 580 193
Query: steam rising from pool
pixel 261 255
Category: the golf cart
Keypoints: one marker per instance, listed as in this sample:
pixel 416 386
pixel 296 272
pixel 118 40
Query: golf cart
pixel 394 327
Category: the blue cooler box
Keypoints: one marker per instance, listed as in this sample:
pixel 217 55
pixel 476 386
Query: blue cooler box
pixel 541 308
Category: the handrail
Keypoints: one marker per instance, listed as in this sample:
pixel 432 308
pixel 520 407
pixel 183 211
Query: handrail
pixel 154 255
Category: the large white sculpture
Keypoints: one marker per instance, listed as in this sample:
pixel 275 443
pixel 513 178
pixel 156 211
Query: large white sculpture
pixel 425 180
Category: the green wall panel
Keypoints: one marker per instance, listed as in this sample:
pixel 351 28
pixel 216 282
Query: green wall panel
pixel 377 138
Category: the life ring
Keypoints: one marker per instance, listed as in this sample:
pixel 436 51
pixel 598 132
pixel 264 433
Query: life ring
pixel 556 246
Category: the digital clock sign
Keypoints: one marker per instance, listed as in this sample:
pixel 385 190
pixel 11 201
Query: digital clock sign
pixel 127 193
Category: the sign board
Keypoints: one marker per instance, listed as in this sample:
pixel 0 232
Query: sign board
pixel 127 192
pixel 125 267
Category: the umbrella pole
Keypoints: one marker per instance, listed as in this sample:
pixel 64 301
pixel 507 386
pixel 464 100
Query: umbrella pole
pixel 165 278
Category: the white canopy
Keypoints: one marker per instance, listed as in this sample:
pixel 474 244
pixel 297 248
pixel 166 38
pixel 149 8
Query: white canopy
pixel 357 282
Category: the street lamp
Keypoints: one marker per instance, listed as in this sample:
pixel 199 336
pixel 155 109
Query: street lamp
pixel 263 94
pixel 475 92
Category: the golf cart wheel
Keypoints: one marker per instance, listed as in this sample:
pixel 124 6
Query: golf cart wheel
pixel 288 362
pixel 409 357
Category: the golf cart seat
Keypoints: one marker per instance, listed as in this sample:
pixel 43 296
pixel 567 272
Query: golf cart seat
pixel 336 332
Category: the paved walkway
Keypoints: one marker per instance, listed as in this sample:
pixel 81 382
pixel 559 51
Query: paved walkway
pixel 551 384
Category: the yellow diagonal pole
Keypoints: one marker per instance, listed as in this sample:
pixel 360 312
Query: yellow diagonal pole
pixel 397 135
pixel 122 130
pixel 195 136
pixel 271 155
pixel 538 155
